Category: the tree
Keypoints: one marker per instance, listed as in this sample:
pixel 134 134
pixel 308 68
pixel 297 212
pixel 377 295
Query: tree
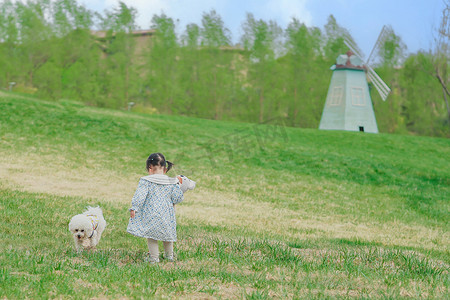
pixel 305 82
pixel 189 68
pixel 441 60
pixel 215 71
pixel 69 16
pixel 70 45
pixel 427 82
pixel 259 39
pixel 422 105
pixel 334 42
pixel 213 33
pixel 48 45
pixel 119 68
pixel 191 36
pixel 391 49
pixel 35 32
pixel 120 19
pixel 391 54
pixel 9 40
pixel 162 76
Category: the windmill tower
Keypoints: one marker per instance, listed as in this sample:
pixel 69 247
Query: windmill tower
pixel 348 105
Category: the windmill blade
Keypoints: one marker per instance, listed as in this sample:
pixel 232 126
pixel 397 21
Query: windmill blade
pixel 379 84
pixel 352 47
pixel 381 37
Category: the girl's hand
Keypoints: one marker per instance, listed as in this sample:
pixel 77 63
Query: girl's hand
pixel 132 214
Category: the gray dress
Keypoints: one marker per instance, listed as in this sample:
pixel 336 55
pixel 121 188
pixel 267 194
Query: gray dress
pixel 153 203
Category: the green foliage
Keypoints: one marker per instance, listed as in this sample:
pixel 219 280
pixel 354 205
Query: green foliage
pixel 423 92
pixel 260 38
pixel 69 16
pixel 48 46
pixel 164 70
pixel 121 19
pixel 302 108
pixel 335 34
pixel 392 49
pixel 213 32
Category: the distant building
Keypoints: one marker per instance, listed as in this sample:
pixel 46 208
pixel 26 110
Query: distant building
pixel 142 39
pixel 348 105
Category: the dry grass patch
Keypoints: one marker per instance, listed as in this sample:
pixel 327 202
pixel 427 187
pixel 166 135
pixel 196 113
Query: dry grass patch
pixel 77 283
pixel 51 174
pixel 219 208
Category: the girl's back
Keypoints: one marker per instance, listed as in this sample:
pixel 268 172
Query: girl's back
pixel 153 204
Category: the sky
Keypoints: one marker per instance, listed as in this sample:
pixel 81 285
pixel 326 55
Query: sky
pixel 415 21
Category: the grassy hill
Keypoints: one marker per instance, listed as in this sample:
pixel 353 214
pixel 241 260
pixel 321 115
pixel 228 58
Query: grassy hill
pixel 277 211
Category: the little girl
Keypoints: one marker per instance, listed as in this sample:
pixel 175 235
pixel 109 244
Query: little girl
pixel 152 212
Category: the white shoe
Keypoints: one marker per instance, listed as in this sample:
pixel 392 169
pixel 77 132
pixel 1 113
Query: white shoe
pixel 170 258
pixel 151 260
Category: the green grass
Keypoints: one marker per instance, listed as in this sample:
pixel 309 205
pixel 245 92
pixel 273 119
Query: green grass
pixel 40 263
pixel 277 212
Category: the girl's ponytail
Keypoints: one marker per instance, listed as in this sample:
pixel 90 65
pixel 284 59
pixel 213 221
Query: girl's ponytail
pixel 169 165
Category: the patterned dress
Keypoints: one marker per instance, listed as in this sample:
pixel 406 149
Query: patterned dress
pixel 153 203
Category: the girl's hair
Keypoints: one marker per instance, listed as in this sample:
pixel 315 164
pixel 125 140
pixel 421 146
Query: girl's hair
pixel 158 159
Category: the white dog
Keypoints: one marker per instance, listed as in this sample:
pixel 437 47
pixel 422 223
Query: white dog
pixel 87 228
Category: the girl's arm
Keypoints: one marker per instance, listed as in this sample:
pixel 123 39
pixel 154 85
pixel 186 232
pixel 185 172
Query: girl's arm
pixel 177 195
pixel 139 197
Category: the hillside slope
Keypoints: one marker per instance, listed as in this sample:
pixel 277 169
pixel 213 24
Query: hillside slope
pixel 306 189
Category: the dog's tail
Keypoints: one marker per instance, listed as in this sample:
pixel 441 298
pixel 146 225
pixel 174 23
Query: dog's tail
pixel 94 210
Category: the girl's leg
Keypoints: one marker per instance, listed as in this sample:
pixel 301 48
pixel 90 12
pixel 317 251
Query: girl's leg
pixel 153 250
pixel 168 250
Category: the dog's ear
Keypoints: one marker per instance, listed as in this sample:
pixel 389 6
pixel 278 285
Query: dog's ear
pixel 73 224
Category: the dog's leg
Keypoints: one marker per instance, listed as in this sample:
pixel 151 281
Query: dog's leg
pixel 94 241
pixel 77 245
pixel 86 243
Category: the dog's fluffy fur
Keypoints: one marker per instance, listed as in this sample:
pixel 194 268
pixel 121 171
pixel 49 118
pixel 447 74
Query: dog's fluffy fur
pixel 87 228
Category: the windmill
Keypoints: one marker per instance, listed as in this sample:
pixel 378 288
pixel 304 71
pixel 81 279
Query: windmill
pixel 348 105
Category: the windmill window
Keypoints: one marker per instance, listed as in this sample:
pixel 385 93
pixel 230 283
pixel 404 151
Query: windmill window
pixel 336 96
pixel 358 96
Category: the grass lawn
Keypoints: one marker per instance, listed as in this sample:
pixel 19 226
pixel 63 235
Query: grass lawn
pixel 278 212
